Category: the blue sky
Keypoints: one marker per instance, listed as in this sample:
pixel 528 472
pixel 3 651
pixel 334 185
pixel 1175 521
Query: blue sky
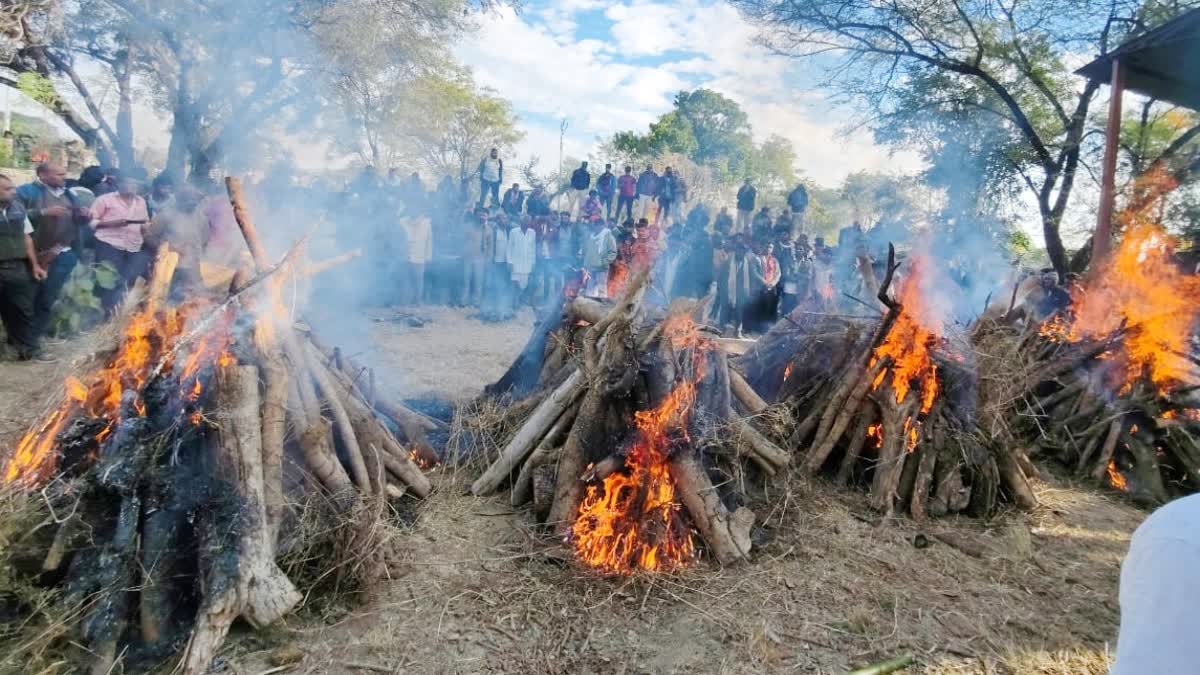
pixel 610 66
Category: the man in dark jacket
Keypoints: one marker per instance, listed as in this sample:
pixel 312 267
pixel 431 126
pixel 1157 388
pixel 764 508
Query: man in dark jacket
pixel 56 215
pixel 19 274
pixel 647 191
pixel 513 201
pixel 668 193
pixel 606 189
pixel 581 185
pixel 746 197
pixel 798 202
pixel 538 203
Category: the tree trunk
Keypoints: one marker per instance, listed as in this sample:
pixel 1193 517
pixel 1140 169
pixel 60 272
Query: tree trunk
pixel 124 76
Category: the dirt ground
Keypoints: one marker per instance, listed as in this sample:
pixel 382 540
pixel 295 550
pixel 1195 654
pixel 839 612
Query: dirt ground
pixel 477 590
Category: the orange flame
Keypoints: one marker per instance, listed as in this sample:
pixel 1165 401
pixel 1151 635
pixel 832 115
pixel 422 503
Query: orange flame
pixel 148 340
pixel 1141 285
pixel 632 521
pixel 875 433
pixel 1116 478
pixel 909 341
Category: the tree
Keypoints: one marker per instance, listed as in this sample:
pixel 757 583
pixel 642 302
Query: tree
pixel 713 131
pixel 448 124
pixel 910 57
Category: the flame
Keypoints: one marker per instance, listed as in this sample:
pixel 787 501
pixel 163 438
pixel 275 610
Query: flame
pixel 909 341
pixel 1116 478
pixel 787 371
pixel 147 342
pixel 1140 285
pixel 875 433
pixel 632 521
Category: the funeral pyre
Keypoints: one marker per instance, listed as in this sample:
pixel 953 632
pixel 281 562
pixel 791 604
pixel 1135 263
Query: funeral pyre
pixel 174 467
pixel 631 451
pixel 889 402
pixel 1110 386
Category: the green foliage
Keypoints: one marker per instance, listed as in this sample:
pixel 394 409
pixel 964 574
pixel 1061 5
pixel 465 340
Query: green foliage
pixel 712 131
pixel 38 88
pixel 78 307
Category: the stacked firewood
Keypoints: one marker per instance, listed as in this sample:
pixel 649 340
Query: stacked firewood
pixel 180 460
pixel 881 402
pixel 1073 407
pixel 631 416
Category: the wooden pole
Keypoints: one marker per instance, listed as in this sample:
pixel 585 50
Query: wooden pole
pixel 1112 138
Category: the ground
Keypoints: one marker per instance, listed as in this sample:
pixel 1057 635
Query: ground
pixel 477 590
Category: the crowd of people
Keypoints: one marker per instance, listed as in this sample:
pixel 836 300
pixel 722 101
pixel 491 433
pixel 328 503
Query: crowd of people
pixel 104 217
pixel 511 247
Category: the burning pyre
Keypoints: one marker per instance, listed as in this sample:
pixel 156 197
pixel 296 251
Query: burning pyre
pixel 622 451
pixel 889 404
pixel 170 458
pixel 1112 395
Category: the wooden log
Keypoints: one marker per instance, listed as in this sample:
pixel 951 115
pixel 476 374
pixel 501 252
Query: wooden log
pixel 770 457
pixel 233 186
pixel 858 440
pixel 345 430
pixel 844 415
pixel 922 486
pixel 568 489
pixel 745 393
pixel 323 266
pixel 522 490
pixel 274 424
pixel 727 534
pixel 259 591
pixel 1109 448
pixel 1015 480
pixel 530 434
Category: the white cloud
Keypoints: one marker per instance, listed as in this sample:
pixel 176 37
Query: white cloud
pixel 603 87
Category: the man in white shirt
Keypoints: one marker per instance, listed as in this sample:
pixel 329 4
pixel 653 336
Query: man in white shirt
pixel 522 252
pixel 491 174
pixel 1160 593
pixel 419 233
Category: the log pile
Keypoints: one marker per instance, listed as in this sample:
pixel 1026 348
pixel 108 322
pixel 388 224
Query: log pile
pixel 1108 385
pixel 1111 383
pixel 175 467
pixel 630 441
pixel 889 403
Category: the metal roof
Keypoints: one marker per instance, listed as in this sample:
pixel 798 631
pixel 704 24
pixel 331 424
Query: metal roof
pixel 1163 63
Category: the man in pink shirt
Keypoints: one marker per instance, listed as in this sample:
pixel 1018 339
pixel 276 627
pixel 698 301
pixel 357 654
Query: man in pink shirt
pixel 119 219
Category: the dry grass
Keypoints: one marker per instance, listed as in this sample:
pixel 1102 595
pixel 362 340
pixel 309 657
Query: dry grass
pixel 481 590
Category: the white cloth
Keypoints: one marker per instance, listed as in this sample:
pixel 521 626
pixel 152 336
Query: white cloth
pixel 522 250
pixel 500 254
pixel 490 170
pixel 420 240
pixel 1160 593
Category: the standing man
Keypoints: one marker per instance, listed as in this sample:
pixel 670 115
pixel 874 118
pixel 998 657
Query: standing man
pixel 647 190
pixel 119 219
pixel 581 182
pixel 474 261
pixel 419 233
pixel 599 252
pixel 538 203
pixel 513 201
pixel 798 202
pixel 19 275
pixel 626 193
pixel 522 253
pixel 606 189
pixel 746 197
pixel 669 189
pixel 491 174
pixel 55 213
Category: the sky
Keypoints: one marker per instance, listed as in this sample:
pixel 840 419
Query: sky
pixel 613 66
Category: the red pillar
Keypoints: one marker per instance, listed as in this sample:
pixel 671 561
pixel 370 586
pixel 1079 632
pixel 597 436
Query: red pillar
pixel 1102 238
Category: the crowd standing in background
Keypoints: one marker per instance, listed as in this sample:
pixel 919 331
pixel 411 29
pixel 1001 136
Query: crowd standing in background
pixel 508 249
pixel 107 218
